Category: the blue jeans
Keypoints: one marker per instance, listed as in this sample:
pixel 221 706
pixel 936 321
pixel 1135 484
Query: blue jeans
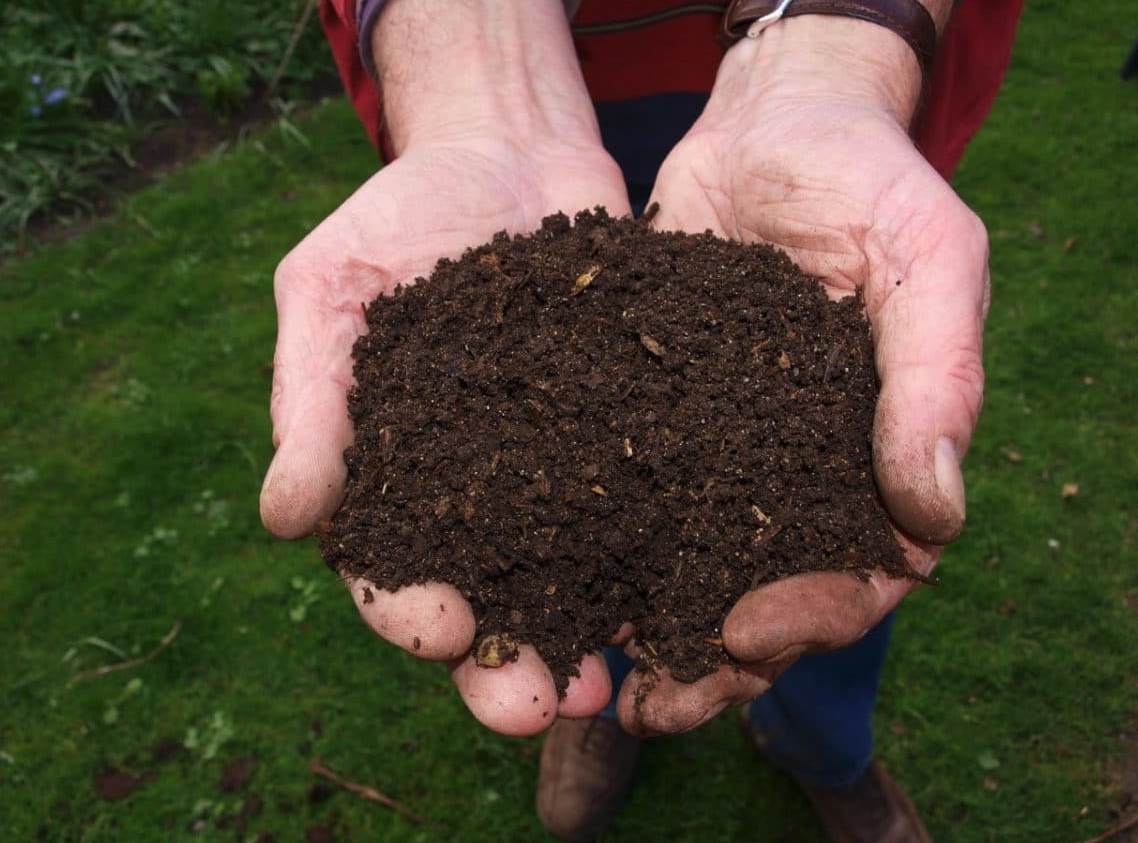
pixel 815 723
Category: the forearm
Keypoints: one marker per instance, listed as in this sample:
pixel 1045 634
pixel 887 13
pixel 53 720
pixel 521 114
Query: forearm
pixel 459 69
pixel 826 56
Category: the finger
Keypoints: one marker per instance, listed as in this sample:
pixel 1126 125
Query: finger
pixel 312 370
pixel 431 621
pixel 927 334
pixel 588 693
pixel 814 612
pixel 434 622
pixel 305 480
pixel 516 699
pixel 623 635
pixel 656 704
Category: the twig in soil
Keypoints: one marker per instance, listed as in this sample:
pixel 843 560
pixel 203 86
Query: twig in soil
pixel 129 663
pixel 362 790
pixel 1114 831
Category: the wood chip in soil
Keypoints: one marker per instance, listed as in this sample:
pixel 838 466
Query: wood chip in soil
pixel 600 423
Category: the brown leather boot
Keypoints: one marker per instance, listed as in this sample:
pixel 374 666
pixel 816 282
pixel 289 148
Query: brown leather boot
pixel 873 809
pixel 585 774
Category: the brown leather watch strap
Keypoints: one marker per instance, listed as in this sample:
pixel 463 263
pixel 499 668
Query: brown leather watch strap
pixel 908 18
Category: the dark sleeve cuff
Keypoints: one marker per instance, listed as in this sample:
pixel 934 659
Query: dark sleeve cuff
pixel 367 13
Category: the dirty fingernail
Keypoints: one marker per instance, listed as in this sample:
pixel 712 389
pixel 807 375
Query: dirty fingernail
pixel 950 483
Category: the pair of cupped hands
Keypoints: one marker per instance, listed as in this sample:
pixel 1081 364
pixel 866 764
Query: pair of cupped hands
pixel 833 181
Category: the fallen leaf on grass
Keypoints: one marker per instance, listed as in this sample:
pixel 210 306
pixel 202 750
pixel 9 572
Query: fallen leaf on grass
pixel 114 785
pixel 1070 490
pixel 237 774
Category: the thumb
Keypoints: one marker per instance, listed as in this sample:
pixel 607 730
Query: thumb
pixel 928 340
pixel 312 372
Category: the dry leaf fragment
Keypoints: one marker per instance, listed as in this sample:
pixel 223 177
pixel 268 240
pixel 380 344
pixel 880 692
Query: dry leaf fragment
pixel 585 279
pixel 590 471
pixel 1070 490
pixel 760 516
pixel 654 348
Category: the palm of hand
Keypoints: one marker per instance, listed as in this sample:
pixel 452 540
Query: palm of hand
pixel 431 203
pixel 845 193
pixel 841 189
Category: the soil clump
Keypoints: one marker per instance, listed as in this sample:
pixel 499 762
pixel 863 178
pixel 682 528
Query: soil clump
pixel 600 423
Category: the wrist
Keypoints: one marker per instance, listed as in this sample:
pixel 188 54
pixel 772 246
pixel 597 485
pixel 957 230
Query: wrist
pixel 837 58
pixel 495 68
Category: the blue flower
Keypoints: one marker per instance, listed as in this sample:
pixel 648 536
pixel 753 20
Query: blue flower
pixel 36 79
pixel 55 96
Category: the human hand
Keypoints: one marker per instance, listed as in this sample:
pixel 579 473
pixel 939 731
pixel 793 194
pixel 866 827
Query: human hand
pixel 497 156
pixel 823 168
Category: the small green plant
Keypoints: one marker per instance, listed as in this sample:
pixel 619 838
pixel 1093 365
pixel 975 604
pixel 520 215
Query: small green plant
pixel 82 82
pixel 207 741
pixel 223 86
pixel 307 593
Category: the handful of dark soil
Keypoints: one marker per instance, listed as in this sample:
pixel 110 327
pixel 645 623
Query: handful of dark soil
pixel 602 423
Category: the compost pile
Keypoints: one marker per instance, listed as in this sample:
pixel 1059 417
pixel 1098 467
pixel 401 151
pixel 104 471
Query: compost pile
pixel 600 423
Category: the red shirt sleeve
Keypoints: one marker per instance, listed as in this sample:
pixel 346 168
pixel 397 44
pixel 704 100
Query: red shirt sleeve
pixel 971 62
pixel 339 20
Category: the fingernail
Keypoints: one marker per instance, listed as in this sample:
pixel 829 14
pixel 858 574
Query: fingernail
pixel 950 482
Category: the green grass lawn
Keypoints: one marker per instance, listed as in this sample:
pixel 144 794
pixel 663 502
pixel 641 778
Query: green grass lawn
pixel 134 433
